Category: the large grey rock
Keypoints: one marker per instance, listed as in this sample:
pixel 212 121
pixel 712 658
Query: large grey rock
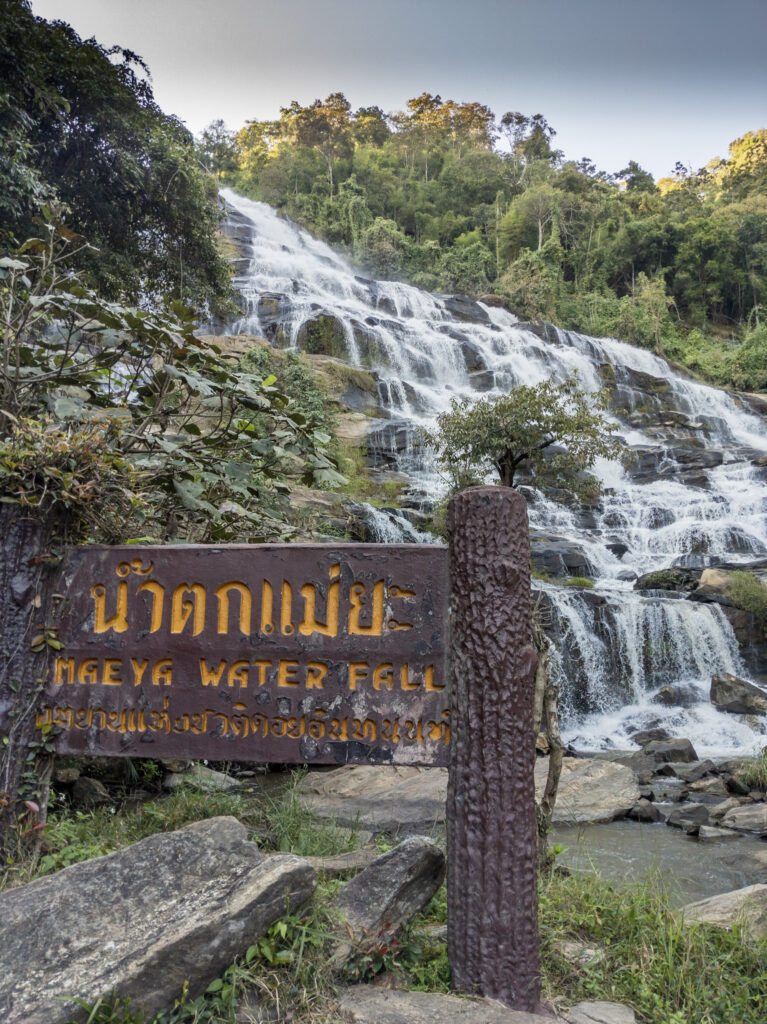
pixel 738 696
pixel 749 818
pixel 175 907
pixel 670 750
pixel 590 789
pixel 600 1013
pixel 383 799
pixel 745 907
pixel 407 800
pixel 88 792
pixel 363 1004
pixel 394 888
pixel 205 779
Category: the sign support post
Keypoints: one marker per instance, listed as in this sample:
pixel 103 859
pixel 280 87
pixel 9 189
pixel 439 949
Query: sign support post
pixel 491 829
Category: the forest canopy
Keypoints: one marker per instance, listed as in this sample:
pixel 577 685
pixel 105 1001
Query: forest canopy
pixel 80 129
pixel 451 197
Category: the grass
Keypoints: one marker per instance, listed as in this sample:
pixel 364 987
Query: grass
pixel 748 592
pixel 667 973
pixel 754 773
pixel 578 581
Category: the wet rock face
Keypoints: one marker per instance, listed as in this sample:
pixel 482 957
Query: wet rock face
pixel 558 557
pixel 738 696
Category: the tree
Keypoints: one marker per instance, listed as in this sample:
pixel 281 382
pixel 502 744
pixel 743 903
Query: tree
pixel 81 127
pixel 557 430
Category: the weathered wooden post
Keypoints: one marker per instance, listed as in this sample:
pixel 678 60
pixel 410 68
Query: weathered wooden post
pixel 491 831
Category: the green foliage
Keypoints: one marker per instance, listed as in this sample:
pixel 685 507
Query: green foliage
pixel 556 429
pixel 294 379
pixel 578 581
pixel 126 419
pixel 80 126
pixel 748 592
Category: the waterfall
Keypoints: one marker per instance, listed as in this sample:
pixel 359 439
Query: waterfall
pixel 693 496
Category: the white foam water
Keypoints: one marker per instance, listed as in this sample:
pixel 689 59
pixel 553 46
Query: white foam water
pixel 616 646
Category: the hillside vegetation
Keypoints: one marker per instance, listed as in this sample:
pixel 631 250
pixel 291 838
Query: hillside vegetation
pixel 449 197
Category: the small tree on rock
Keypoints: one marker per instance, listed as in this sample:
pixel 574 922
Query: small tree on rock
pixel 558 431
pixel 555 429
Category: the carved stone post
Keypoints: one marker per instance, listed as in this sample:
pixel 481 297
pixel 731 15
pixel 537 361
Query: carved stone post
pixel 491 829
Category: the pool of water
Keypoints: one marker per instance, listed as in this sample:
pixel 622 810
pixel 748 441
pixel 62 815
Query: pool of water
pixel 626 851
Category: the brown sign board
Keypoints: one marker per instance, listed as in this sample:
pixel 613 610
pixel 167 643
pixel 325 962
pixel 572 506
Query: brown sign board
pixel 320 654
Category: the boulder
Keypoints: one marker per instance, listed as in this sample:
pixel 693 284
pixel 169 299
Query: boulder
pixel 342 863
pixel 708 833
pixel 709 787
pixel 677 696
pixel 364 1004
pixel 386 895
pixel 89 792
pixel 749 818
pixel 383 799
pixel 579 953
pixel 204 779
pixel 738 696
pixel 745 907
pixel 464 308
pixel 590 790
pixel 644 810
pixel 174 908
pixel 670 750
pixel 688 817
pixel 408 800
pixel 557 556
pixel 600 1013
pixel 648 735
pixel 687 771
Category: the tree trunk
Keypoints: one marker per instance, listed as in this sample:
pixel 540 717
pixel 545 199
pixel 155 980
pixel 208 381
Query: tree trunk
pixel 26 576
pixel 546 700
pixel 491 827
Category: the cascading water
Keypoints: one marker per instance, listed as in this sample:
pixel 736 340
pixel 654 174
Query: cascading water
pixel 694 495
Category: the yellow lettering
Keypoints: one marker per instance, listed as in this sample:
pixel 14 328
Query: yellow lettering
pixel 88 671
pixel 112 666
pixel 404 678
pixel 286 609
pixel 119 621
pixel 211 676
pixel 262 666
pixel 139 668
pixel 238 673
pixel 182 608
pixel 158 602
pixel 286 673
pixel 65 665
pixel 356 597
pixel 429 683
pixel 309 593
pixel 161 673
pixel 357 670
pixel 383 675
pixel 315 673
pixel 246 602
pixel 267 602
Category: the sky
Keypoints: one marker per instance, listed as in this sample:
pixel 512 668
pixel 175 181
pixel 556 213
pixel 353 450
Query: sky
pixel 656 81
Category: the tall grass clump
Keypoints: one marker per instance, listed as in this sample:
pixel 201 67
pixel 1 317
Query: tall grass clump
pixel 748 592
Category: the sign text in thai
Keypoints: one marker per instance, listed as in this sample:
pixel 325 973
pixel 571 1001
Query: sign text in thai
pixel 280 653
